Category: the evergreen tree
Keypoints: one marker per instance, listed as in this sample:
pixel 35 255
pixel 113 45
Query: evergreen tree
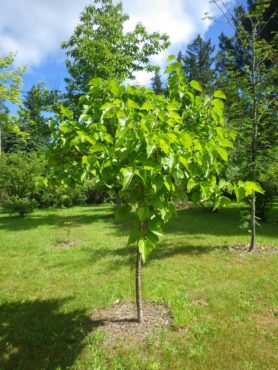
pixel 156 83
pixel 198 61
pixel 33 115
pixel 10 90
pixel 180 57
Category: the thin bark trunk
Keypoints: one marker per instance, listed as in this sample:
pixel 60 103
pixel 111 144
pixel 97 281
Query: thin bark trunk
pixel 138 288
pixel 254 145
pixel 253 221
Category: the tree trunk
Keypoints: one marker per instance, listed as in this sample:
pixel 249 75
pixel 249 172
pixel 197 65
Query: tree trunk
pixel 254 140
pixel 138 287
pixel 253 223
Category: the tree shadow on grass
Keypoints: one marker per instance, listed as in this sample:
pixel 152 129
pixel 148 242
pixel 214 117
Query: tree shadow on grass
pixel 164 251
pixel 126 256
pixel 52 220
pixel 37 335
pixel 192 221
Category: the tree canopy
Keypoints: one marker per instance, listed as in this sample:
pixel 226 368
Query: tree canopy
pixel 99 47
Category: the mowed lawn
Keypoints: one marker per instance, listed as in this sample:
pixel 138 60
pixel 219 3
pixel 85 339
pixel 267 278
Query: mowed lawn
pixel 224 305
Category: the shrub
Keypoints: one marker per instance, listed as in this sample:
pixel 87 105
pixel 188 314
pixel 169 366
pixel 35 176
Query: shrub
pixel 16 205
pixel 18 173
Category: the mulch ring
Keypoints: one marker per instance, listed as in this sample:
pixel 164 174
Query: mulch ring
pixel 120 326
pixel 68 243
pixel 259 249
pixel 181 206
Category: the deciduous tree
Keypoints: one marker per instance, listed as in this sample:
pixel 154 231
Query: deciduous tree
pixel 155 147
pixel 248 71
pixel 99 47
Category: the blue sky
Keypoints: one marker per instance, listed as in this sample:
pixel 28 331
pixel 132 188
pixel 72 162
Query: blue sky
pixel 35 29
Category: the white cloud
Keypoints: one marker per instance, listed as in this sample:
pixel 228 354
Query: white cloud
pixel 36 28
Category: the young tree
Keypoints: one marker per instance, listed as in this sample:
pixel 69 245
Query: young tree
pixel 155 147
pixel 198 61
pixel 248 73
pixel 99 47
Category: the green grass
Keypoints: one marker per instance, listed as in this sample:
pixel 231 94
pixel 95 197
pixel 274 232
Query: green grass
pixel 48 293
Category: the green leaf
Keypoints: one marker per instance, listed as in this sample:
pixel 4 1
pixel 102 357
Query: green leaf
pixel 175 116
pixel 134 236
pixel 227 143
pixel 114 86
pixel 132 104
pixel 173 106
pixel 143 213
pixel 191 184
pixel 169 184
pixel 221 201
pixel 239 192
pixel 107 106
pixel 170 58
pixel 97 148
pixel 219 94
pixel 128 174
pixel 251 186
pixel 66 112
pixel 164 146
pixel 183 161
pixel 84 159
pixel 218 106
pixel 145 248
pixel 223 153
pixel 172 67
pixel 147 106
pixel 196 85
pixel 86 137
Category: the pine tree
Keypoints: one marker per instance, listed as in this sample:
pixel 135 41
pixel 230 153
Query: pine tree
pixel 156 83
pixel 198 61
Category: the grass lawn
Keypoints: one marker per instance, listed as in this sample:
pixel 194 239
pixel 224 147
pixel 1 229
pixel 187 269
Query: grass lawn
pixel 223 304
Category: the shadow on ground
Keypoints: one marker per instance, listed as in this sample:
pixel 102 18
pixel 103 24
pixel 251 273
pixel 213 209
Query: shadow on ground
pixel 36 335
pixel 53 220
pixel 192 221
pixel 126 256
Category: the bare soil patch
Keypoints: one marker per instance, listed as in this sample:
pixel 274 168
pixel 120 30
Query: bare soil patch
pixel 259 249
pixel 68 243
pixel 181 206
pixel 120 326
pixel 269 318
pixel 200 302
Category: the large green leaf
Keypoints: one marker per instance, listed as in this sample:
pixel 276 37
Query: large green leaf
pixel 127 174
pixel 145 247
pixel 223 153
pixel 251 186
pixel 134 237
pixel 196 85
pixel 143 213
pixel 191 184
pixel 147 106
pixel 219 94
